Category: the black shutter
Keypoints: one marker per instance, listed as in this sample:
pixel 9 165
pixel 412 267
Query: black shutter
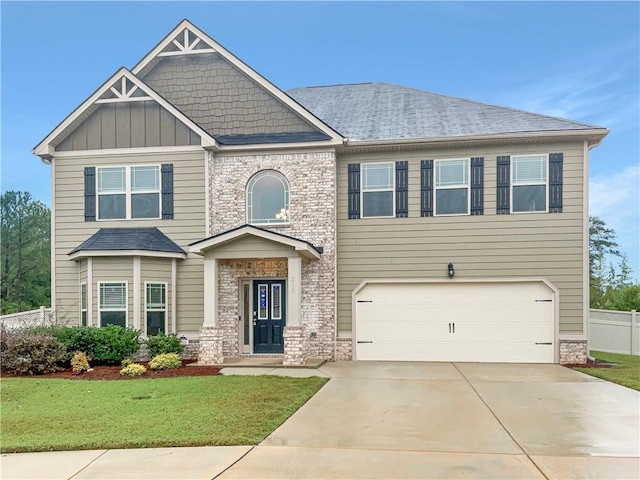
pixel 503 205
pixel 89 194
pixel 402 189
pixel 477 186
pixel 426 188
pixel 555 182
pixel 167 191
pixel 354 190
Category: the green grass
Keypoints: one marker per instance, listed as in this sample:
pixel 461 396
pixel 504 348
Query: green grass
pixel 626 371
pixel 54 414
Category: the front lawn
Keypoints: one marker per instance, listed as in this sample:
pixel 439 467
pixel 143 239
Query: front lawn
pixel 626 371
pixel 52 414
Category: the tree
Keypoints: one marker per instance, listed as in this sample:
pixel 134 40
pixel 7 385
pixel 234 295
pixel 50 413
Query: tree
pixel 25 246
pixel 610 283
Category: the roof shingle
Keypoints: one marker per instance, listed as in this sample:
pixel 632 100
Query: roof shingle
pixel 143 238
pixel 381 111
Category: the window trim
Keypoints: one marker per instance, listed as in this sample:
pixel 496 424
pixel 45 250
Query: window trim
pixel 393 189
pixel 86 303
pixel 451 187
pixel 530 184
pixel 126 294
pixel 165 309
pixel 128 193
pixel 249 196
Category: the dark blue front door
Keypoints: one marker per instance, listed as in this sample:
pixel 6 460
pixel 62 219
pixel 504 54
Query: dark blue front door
pixel 269 313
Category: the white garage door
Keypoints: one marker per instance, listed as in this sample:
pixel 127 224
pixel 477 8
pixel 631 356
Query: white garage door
pixel 461 322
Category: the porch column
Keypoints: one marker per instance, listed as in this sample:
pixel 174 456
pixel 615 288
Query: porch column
pixel 210 292
pixel 211 336
pixel 294 291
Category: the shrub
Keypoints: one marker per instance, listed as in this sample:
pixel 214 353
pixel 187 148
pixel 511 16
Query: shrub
pixel 80 363
pixel 107 345
pixel 133 370
pixel 165 361
pixel 25 353
pixel 126 362
pixel 159 344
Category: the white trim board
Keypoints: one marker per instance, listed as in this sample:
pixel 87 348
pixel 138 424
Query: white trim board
pixel 124 253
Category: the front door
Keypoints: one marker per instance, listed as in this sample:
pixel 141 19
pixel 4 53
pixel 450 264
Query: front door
pixel 269 313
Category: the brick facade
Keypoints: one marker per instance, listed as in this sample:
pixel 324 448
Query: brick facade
pixel 312 213
pixel 573 351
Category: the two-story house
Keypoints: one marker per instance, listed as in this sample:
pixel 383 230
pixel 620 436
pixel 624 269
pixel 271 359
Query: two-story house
pixel 366 222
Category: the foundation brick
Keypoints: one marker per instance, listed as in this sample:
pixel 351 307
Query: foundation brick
pixel 344 349
pixel 573 351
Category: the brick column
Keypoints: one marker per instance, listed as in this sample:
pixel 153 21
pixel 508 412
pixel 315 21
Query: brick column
pixel 210 352
pixel 295 347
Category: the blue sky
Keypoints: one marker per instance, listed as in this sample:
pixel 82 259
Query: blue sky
pixel 574 60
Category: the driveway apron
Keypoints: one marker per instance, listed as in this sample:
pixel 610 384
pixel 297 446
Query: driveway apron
pixel 444 420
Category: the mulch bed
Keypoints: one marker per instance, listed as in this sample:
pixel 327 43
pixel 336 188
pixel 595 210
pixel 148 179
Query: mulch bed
pixel 113 373
pixel 590 364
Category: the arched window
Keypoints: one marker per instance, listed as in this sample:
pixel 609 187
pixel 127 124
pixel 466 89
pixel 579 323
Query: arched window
pixel 268 198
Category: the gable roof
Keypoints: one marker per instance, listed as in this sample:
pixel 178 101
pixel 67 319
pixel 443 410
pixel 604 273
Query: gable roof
pixel 140 241
pixel 187 39
pixel 43 149
pixel 304 248
pixel 382 111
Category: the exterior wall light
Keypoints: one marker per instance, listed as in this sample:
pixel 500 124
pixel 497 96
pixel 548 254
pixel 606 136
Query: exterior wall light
pixel 450 270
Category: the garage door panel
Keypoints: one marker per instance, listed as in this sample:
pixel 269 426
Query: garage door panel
pixel 481 322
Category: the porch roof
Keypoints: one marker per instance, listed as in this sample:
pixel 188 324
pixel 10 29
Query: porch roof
pixel 301 247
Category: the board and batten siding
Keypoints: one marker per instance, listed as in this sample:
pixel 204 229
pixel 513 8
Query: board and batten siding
pixel 188 225
pixel 546 245
pixel 128 125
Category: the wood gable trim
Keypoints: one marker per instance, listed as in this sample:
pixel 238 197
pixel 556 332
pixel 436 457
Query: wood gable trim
pixel 46 150
pixel 243 67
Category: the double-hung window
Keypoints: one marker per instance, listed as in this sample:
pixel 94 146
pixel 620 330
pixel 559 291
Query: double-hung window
pixel 128 192
pixel 113 303
pixel 529 174
pixel 452 187
pixel 83 304
pixel 377 189
pixel 156 307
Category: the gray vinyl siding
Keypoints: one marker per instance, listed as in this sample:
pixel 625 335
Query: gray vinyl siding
pixel 188 225
pixel 155 270
pixel 253 248
pixel 112 269
pixel 220 98
pixel 128 125
pixel 546 245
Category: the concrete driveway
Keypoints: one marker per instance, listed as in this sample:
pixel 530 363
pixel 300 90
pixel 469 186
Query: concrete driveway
pixel 443 420
pixel 382 420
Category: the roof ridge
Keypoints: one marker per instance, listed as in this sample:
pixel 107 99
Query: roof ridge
pixel 333 85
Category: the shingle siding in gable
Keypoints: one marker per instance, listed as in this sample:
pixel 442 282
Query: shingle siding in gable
pixel 219 98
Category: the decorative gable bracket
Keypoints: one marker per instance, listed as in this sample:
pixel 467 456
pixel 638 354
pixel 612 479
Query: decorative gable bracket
pixel 186 42
pixel 123 90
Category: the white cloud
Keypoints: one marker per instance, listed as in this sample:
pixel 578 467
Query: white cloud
pixel 615 198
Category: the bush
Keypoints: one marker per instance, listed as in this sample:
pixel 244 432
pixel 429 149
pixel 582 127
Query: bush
pixel 165 361
pixel 159 344
pixel 80 363
pixel 126 362
pixel 107 345
pixel 133 370
pixel 28 354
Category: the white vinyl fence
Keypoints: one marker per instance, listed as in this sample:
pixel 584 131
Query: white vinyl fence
pixel 615 332
pixel 32 318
